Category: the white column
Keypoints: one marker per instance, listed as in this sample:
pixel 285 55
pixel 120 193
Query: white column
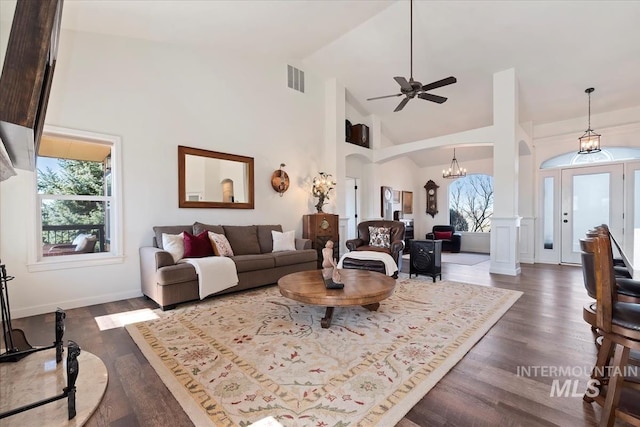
pixel 373 178
pixel 505 222
pixel 375 132
pixel 333 161
pixel 504 246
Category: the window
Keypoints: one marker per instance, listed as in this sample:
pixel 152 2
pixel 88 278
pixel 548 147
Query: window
pixel 77 199
pixel 471 203
pixel 547 212
pixel 608 154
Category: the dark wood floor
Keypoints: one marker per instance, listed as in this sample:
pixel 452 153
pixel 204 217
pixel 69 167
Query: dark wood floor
pixel 543 328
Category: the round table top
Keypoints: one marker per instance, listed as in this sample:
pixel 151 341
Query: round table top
pixel 361 287
pixel 38 377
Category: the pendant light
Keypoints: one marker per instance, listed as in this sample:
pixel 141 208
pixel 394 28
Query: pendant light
pixel 590 141
pixel 455 171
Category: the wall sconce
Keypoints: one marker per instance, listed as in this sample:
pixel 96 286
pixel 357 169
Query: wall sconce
pixel 280 180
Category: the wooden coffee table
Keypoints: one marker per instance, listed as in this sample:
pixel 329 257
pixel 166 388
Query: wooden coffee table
pixel 361 287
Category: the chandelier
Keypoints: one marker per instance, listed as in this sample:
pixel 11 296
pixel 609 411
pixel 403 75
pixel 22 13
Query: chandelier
pixel 590 141
pixel 454 171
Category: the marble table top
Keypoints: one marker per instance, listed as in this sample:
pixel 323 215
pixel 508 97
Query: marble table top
pixel 37 377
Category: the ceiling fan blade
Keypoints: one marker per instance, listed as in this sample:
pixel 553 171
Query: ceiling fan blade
pixel 404 84
pixel 440 83
pixel 386 96
pixel 402 104
pixel 432 98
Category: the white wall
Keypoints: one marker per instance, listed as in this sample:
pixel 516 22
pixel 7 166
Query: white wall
pixel 475 242
pixel 157 97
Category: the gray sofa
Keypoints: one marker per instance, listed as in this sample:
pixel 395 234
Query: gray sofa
pixel 168 283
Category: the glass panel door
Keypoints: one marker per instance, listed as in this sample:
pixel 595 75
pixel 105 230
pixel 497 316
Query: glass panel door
pixel 590 196
pixel 631 245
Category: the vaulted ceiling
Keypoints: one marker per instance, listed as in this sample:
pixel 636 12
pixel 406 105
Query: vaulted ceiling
pixel 558 49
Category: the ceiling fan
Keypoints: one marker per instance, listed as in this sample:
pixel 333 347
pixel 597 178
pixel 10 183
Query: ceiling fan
pixel 411 88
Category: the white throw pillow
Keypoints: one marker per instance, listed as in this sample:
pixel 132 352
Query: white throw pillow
pixel 80 238
pixel 283 241
pixel 174 244
pixel 87 244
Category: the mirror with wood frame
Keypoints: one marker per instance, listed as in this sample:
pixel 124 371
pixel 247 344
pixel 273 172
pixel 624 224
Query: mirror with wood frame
pixel 209 179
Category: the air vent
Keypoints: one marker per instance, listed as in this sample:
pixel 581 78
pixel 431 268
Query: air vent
pixel 295 78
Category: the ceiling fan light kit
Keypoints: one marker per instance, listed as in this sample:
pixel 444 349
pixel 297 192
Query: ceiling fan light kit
pixel 411 88
pixel 589 141
pixel 454 171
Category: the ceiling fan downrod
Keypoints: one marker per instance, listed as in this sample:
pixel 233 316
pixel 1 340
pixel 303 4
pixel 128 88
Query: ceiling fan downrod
pixel 412 89
pixel 411 40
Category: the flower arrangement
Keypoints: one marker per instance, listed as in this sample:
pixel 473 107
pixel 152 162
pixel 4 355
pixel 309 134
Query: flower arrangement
pixel 322 185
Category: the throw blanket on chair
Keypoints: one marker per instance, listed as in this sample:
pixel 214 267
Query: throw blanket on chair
pixel 215 273
pixel 389 263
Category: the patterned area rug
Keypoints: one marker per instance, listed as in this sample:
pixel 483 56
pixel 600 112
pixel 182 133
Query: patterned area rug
pixel 236 359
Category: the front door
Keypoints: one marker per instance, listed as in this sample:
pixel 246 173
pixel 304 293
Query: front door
pixel 590 196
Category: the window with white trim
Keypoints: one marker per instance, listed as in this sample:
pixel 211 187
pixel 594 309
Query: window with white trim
pixel 77 200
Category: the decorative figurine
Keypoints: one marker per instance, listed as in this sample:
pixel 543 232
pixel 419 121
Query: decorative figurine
pixel 327 255
pixel 336 277
pixel 330 271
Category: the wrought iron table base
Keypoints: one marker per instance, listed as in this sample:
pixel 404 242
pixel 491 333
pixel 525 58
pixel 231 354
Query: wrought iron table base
pixel 69 391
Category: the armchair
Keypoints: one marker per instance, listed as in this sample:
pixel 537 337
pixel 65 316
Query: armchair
pixel 450 239
pixel 396 236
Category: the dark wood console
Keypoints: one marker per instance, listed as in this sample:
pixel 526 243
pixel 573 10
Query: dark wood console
pixel 320 228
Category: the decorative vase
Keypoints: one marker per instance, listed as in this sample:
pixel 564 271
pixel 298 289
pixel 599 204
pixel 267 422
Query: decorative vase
pixel 320 203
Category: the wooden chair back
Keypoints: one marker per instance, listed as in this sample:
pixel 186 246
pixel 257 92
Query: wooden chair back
pixel 597 245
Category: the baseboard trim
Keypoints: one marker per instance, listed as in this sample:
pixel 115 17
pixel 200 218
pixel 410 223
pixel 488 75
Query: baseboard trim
pixel 506 270
pixel 67 305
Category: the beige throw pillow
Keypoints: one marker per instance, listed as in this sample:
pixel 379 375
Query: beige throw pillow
pixel 283 241
pixel 220 244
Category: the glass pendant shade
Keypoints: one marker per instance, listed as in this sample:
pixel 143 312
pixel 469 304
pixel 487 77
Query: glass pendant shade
pixel 589 141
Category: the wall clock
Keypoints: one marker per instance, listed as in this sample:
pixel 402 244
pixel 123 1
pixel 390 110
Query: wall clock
pixel 432 197
pixel 386 198
pixel 388 194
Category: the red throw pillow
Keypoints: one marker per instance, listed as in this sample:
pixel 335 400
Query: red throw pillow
pixel 197 246
pixel 440 235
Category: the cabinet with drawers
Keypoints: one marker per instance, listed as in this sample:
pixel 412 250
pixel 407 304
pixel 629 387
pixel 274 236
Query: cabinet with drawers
pixel 320 228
